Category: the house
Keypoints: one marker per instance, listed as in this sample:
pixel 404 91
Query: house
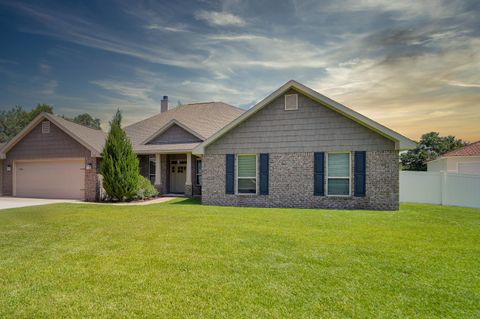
pixel 465 160
pixel 295 148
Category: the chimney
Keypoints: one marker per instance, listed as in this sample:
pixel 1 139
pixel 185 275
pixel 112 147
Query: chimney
pixel 164 104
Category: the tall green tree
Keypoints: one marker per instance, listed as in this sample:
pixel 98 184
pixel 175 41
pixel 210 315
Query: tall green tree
pixel 119 164
pixel 431 146
pixel 11 122
pixel 40 108
pixel 87 120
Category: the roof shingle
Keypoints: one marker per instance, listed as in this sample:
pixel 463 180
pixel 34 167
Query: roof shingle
pixel 472 149
pixel 202 118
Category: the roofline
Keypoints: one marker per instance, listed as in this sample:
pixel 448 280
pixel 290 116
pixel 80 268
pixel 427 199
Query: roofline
pixel 401 142
pixel 151 152
pixel 452 156
pixel 37 120
pixel 170 124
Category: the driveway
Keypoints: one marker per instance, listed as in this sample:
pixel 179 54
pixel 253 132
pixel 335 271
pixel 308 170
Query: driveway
pixel 13 202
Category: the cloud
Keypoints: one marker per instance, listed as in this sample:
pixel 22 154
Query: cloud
pixel 405 10
pixel 49 87
pixel 402 63
pixel 215 18
pixel 165 28
pixel 44 68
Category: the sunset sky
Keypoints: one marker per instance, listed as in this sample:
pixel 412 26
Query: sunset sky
pixel 412 66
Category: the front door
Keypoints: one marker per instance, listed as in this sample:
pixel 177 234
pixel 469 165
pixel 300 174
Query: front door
pixel 178 173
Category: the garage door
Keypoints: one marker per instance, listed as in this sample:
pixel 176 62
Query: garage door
pixel 50 179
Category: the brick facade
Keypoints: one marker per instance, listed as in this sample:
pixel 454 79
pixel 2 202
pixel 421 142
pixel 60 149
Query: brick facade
pixel 291 183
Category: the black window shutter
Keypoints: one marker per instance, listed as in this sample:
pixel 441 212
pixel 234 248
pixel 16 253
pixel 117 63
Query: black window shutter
pixel 319 174
pixel 359 176
pixel 230 174
pixel 264 174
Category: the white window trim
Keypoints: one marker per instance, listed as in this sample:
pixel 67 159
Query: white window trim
pixel 296 102
pixel 196 171
pixel 340 177
pixel 237 178
pixel 150 174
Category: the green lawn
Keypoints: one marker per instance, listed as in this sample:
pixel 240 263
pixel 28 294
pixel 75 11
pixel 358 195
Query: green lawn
pixel 181 259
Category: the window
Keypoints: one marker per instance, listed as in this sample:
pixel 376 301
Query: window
pixel 151 165
pixel 247 174
pixel 338 170
pixel 291 102
pixel 45 127
pixel 198 170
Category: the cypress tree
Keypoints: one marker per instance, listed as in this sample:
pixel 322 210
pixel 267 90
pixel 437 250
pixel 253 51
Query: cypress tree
pixel 119 164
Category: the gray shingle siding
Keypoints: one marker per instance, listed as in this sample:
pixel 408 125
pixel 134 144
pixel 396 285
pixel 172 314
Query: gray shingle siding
pixel 311 128
pixel 175 135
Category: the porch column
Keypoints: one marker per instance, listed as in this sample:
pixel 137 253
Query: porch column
pixel 188 179
pixel 158 175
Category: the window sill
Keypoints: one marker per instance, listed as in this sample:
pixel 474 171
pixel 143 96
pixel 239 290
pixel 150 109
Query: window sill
pixel 246 194
pixel 340 196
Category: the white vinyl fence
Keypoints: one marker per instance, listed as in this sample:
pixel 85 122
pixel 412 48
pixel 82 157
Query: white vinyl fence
pixel 440 188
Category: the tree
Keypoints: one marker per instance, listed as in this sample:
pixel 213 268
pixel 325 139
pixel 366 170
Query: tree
pixel 120 164
pixel 40 108
pixel 11 122
pixel 431 146
pixel 87 120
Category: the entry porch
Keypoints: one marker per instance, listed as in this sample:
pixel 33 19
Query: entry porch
pixel 173 173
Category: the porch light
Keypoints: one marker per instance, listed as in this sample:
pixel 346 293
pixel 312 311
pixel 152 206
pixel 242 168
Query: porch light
pixel 89 166
pixel 9 168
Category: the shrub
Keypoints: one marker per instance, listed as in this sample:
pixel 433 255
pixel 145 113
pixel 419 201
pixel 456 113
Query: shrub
pixel 145 188
pixel 120 164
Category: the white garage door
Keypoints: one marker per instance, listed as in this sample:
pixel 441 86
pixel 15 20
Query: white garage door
pixel 50 179
pixel 469 168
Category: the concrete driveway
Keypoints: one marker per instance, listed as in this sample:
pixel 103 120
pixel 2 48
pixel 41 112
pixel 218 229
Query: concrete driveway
pixel 13 202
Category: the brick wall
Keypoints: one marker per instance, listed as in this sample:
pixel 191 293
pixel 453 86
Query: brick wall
pixel 91 183
pixel 291 183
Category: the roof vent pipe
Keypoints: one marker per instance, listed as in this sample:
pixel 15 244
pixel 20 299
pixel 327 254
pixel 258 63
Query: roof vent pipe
pixel 164 104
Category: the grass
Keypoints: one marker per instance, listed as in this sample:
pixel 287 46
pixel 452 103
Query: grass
pixel 181 259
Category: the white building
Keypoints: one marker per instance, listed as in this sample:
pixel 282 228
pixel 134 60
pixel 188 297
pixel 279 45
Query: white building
pixel 465 160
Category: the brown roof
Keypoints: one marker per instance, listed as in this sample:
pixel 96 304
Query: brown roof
pixel 164 148
pixel 90 138
pixel 203 118
pixel 472 149
pixel 94 138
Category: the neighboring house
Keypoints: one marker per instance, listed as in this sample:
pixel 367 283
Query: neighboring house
pixel 295 148
pixel 465 160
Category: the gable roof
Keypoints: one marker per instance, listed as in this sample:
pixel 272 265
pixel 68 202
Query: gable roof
pixel 401 142
pixel 169 125
pixel 472 149
pixel 90 138
pixel 201 119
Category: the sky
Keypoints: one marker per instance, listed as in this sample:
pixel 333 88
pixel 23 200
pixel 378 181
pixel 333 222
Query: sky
pixel 413 66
